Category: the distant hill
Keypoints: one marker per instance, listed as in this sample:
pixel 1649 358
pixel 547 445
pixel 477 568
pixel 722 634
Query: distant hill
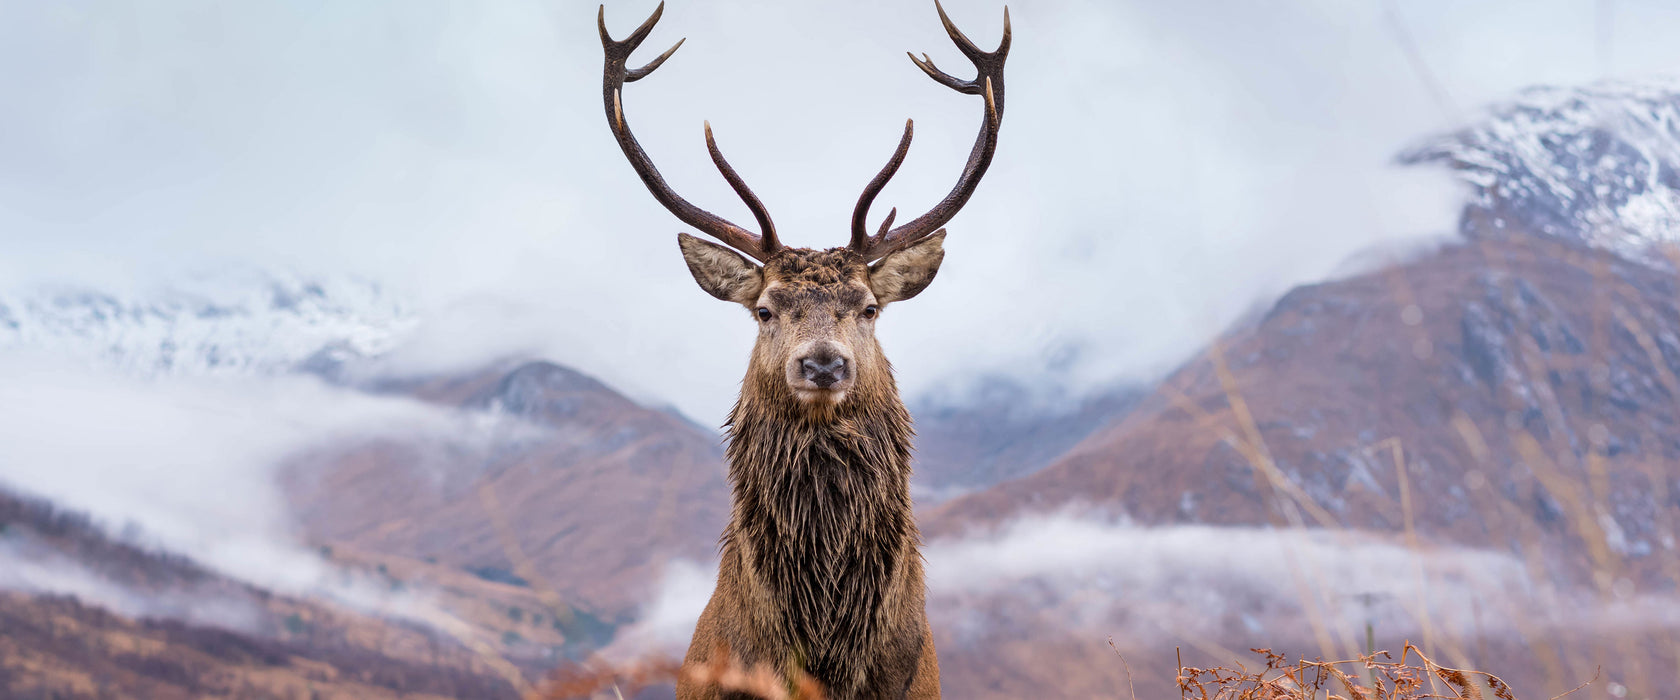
pixel 1002 430
pixel 579 490
pixel 183 632
pixel 1502 374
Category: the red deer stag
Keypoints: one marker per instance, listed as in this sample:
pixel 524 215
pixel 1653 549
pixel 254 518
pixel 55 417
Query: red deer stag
pixel 820 567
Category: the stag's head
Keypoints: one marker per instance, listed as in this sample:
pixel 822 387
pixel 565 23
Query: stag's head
pixel 816 309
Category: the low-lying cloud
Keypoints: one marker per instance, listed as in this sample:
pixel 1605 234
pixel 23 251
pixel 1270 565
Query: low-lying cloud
pixel 667 621
pixel 1214 587
pixel 189 465
pixel 1083 573
pixel 39 570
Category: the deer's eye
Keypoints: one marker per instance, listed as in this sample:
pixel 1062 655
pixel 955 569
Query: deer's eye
pixel 763 314
pixel 870 311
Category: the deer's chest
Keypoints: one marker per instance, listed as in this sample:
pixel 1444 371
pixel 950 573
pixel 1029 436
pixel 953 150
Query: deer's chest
pixel 829 541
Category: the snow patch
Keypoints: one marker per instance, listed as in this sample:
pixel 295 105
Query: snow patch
pixel 1598 165
pixel 232 322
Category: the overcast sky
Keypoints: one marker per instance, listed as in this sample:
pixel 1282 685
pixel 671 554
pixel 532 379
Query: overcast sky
pixel 1164 166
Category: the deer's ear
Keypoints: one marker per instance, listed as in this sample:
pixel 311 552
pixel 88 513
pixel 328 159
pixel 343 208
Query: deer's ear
pixel 722 272
pixel 906 273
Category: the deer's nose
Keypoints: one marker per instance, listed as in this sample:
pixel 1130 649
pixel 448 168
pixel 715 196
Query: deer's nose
pixel 824 369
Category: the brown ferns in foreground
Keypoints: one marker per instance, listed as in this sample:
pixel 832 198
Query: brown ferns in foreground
pixel 725 671
pixel 1373 677
pixel 595 677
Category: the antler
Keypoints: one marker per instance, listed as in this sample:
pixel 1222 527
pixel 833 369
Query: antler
pixel 612 88
pixel 988 82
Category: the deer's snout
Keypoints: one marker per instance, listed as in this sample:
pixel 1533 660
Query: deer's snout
pixel 821 371
pixel 824 369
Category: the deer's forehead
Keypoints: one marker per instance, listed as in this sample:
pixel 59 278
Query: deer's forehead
pixel 799 277
pixel 815 267
pixel 843 293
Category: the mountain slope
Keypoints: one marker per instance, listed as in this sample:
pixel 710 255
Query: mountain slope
pixel 1001 431
pixel 1502 393
pixel 580 491
pixel 147 624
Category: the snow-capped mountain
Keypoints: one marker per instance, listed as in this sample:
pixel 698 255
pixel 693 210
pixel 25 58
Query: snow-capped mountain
pixel 230 322
pixel 1598 165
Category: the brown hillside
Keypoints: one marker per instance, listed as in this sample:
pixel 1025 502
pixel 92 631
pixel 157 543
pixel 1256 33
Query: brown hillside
pixel 1527 388
pixel 196 634
pixel 55 647
pixel 579 492
pixel 1002 432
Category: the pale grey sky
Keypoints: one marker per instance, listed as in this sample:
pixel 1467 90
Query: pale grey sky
pixel 1163 166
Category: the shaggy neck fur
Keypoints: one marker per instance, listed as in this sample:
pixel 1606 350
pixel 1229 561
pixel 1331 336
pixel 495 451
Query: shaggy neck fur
pixel 822 525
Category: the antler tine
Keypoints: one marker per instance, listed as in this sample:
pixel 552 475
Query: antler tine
pixel 1003 46
pixel 946 79
pixel 645 71
pixel 860 213
pixel 963 44
pixel 635 39
pixel 614 76
pixel 768 244
pixel 987 83
pixel 887 222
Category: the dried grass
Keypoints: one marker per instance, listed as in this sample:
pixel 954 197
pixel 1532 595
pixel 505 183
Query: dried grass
pixel 1370 677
